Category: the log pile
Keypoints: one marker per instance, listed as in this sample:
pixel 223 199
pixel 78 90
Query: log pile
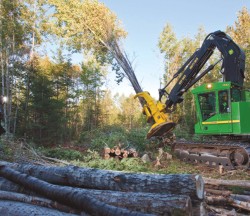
pixel 70 190
pixel 220 193
pixel 119 153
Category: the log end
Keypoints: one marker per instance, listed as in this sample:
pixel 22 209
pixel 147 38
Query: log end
pixel 199 187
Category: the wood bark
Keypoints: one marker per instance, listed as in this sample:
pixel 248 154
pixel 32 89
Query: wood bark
pixel 185 184
pixel 220 200
pixel 22 209
pixel 221 182
pixel 221 211
pixel 65 195
pixel 245 198
pixel 218 192
pixel 34 200
pixel 159 204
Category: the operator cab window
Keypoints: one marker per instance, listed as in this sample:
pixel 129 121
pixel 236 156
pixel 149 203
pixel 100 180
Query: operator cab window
pixel 207 105
pixel 224 101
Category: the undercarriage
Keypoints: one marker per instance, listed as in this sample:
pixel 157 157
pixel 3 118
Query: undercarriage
pixel 230 154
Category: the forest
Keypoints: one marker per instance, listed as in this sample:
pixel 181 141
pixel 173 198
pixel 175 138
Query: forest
pixel 52 102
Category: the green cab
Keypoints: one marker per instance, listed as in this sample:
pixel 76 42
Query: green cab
pixel 223 108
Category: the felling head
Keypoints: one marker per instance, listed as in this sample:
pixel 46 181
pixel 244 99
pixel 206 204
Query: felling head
pixel 158 130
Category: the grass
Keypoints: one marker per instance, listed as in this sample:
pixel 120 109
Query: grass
pixel 92 159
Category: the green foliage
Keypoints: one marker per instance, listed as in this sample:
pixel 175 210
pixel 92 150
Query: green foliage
pixel 116 135
pixel 6 151
pixel 93 159
pixel 137 138
pixel 109 136
pixel 63 154
pixel 240 32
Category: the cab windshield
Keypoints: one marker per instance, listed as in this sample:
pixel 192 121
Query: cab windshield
pixel 207 105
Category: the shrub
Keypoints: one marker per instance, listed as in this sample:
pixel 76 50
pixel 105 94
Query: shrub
pixel 63 154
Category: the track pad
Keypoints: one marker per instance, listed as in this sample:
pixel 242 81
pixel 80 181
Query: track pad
pixel 161 129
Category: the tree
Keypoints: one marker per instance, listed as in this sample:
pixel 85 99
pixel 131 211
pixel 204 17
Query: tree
pixel 130 112
pixel 90 26
pixel 92 80
pixel 12 37
pixel 240 33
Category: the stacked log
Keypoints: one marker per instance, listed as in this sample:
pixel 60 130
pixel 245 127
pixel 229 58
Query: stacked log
pixel 222 193
pixel 119 153
pixel 73 190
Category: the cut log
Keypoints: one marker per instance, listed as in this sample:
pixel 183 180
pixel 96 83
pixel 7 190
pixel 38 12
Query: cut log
pixel 112 151
pixel 237 183
pixel 65 195
pixel 106 156
pixel 185 184
pixel 218 192
pixel 106 150
pixel 240 204
pixel 117 151
pixel 159 204
pixel 125 154
pixel 220 200
pixel 221 211
pixel 217 200
pixel 22 209
pixel 244 198
pixel 39 201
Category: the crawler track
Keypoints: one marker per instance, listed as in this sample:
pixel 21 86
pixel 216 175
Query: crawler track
pixel 232 155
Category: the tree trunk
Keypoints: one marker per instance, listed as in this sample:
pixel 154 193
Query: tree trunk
pixel 184 184
pixel 221 211
pixel 218 192
pixel 34 200
pixel 219 182
pixel 23 209
pixel 65 195
pixel 159 204
pixel 239 197
pixel 220 200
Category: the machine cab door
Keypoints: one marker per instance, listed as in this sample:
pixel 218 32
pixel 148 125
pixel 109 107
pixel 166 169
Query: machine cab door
pixel 207 112
pixel 225 112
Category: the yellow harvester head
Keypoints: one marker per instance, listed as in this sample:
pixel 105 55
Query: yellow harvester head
pixel 156 113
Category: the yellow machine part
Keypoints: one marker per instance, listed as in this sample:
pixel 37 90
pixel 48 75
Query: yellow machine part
pixel 156 113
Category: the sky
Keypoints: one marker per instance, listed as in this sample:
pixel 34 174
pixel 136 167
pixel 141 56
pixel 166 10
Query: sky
pixel 144 21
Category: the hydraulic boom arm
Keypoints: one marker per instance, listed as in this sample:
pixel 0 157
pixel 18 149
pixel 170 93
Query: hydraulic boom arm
pixel 233 66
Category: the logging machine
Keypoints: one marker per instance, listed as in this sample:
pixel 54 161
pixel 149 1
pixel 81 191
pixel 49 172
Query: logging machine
pixel 222 108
